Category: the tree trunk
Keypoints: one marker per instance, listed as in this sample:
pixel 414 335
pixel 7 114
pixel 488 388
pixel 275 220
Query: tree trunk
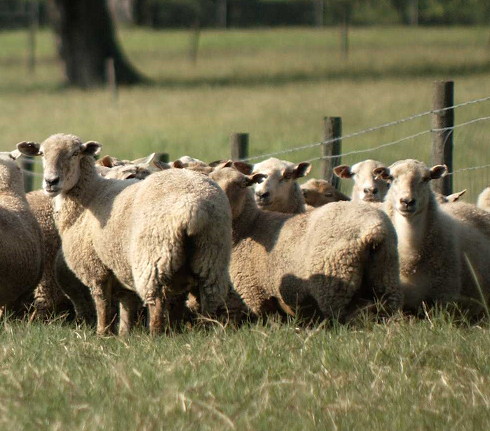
pixel 86 40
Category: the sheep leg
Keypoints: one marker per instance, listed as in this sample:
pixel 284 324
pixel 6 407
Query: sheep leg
pixel 156 312
pixel 128 308
pixel 102 299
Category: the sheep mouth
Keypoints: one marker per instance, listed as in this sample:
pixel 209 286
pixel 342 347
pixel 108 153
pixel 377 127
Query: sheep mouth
pixel 52 192
pixel 372 199
pixel 407 212
pixel 264 203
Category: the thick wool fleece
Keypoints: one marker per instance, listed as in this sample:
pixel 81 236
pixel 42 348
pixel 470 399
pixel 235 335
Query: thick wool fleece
pixel 148 233
pixel 21 241
pixel 323 258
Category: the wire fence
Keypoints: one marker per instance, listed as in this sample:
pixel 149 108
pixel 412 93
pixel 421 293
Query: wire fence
pixel 470 150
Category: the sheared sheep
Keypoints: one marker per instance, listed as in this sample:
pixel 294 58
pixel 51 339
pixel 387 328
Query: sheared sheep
pixel 320 192
pixel 366 188
pixel 21 241
pixel 432 243
pixel 279 191
pixel 151 236
pixel 323 260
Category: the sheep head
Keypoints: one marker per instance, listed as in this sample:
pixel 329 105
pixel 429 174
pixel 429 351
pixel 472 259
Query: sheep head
pixel 410 190
pixel 367 187
pixel 320 192
pixel 61 160
pixel 274 193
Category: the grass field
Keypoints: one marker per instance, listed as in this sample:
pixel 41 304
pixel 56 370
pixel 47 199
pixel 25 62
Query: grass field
pixel 276 85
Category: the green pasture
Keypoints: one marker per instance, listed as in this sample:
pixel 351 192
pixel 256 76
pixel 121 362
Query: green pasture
pixel 276 85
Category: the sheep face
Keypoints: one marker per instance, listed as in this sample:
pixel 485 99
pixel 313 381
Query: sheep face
pixel 410 190
pixel 367 188
pixel 274 193
pixel 235 184
pixel 61 160
pixel 321 192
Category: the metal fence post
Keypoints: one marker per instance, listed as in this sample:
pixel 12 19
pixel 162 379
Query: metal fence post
pixel 442 142
pixel 239 146
pixel 332 130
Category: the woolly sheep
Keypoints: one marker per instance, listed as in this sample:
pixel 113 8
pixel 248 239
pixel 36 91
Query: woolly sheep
pixel 279 191
pixel 326 258
pixel 432 244
pixel 21 240
pixel 483 200
pixel 366 188
pixel 320 192
pixel 149 236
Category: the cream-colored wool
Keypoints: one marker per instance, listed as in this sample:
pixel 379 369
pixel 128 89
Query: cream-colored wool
pixel 366 188
pixel 320 192
pixel 483 200
pixel 280 191
pixel 432 242
pixel 149 236
pixel 326 258
pixel 21 241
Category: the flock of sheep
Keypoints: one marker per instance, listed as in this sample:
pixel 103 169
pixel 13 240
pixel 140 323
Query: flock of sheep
pixel 229 238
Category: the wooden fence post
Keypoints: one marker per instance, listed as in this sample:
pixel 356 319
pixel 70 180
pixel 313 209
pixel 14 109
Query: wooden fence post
pixel 442 142
pixel 332 130
pixel 27 164
pixel 239 146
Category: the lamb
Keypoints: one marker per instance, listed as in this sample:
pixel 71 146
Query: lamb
pixel 366 188
pixel 320 192
pixel 279 191
pixel 111 167
pixel 150 237
pixel 318 262
pixel 21 239
pixel 432 244
pixel 483 200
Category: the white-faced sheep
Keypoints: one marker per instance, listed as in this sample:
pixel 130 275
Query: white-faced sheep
pixel 21 240
pixel 149 236
pixel 366 188
pixel 323 259
pixel 320 192
pixel 432 244
pixel 279 191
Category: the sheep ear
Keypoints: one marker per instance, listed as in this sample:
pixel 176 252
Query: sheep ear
pixel 343 171
pixel 438 171
pixel 29 148
pixel 455 196
pixel 91 148
pixel 144 160
pixel 255 178
pixel 383 173
pixel 216 163
pixel 301 170
pixel 106 161
pixel 244 168
pixel 161 165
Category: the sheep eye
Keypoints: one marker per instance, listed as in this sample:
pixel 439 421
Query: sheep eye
pixel 76 153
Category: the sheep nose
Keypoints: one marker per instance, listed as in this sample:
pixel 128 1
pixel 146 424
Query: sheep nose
pixel 371 190
pixel 408 202
pixel 52 181
pixel 263 195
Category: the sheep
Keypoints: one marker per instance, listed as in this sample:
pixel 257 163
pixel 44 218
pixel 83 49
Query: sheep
pixel 453 197
pixel 279 191
pixel 483 200
pixel 432 243
pixel 21 240
pixel 366 188
pixel 321 261
pixel 320 192
pixel 111 167
pixel 150 237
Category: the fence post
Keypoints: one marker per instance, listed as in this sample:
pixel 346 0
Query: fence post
pixel 239 146
pixel 442 142
pixel 332 130
pixel 161 157
pixel 27 164
pixel 33 28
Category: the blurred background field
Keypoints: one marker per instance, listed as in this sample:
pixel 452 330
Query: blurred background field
pixel 275 84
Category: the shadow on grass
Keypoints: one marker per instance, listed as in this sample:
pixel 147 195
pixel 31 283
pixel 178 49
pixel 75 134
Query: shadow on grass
pixel 282 78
